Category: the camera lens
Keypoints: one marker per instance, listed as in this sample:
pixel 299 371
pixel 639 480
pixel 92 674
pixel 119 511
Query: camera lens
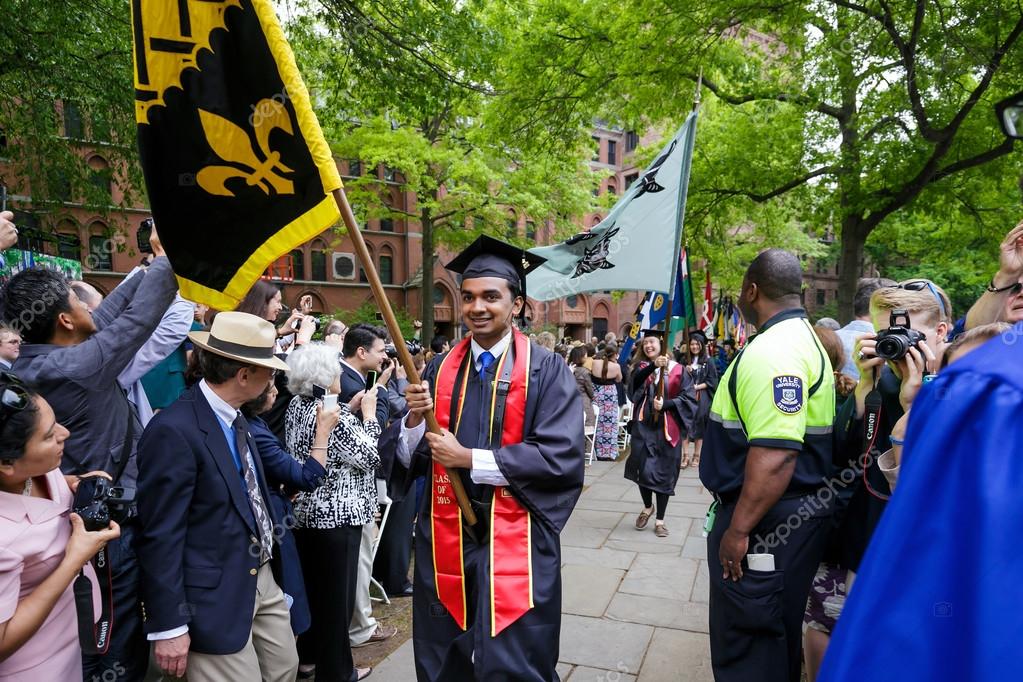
pixel 891 347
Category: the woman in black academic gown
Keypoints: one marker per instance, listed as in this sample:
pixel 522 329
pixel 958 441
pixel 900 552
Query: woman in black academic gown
pixel 704 383
pixel 658 427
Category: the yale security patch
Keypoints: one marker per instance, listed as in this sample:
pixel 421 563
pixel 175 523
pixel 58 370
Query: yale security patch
pixel 788 393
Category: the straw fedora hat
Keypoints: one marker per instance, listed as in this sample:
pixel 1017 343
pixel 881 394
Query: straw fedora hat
pixel 242 337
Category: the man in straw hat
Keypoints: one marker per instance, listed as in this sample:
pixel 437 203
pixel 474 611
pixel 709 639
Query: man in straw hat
pixel 210 563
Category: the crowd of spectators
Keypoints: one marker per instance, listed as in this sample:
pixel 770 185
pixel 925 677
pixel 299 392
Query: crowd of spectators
pixel 149 392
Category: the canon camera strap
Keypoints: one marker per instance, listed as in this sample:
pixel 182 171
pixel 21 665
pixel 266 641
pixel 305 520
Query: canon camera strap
pixel 93 634
pixel 872 407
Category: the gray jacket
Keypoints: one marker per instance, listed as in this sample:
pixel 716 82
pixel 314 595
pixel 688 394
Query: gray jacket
pixel 80 381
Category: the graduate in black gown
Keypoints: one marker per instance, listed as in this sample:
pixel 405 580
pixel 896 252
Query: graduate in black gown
pixel 487 604
pixel 658 427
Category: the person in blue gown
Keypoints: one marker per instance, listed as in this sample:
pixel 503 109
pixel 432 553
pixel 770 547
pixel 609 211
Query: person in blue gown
pixel 939 592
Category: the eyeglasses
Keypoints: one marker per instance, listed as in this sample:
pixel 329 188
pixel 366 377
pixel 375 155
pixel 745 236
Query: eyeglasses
pixel 13 396
pixel 920 285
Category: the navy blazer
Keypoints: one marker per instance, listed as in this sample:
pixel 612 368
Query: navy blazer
pixel 197 546
pixel 278 464
pixel 352 382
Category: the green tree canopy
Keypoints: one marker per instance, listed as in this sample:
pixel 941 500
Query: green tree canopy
pixel 72 57
pixel 825 116
pixel 409 86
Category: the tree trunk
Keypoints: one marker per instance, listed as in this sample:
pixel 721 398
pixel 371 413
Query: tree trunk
pixel 848 182
pixel 850 265
pixel 426 220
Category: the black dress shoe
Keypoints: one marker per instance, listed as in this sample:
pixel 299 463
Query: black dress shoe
pixel 407 592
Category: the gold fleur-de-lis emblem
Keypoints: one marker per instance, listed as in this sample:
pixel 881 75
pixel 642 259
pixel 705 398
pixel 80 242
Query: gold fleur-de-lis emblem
pixel 259 168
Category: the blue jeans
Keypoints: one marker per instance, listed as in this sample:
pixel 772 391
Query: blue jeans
pixel 128 655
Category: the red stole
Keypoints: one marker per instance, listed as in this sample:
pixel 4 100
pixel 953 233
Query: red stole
pixel 672 433
pixel 511 579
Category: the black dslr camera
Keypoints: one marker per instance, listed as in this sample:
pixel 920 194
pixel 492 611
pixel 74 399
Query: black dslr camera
pixel 894 342
pixel 412 345
pixel 98 502
pixel 143 235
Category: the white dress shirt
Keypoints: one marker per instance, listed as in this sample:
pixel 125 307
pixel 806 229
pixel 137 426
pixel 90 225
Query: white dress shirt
pixel 226 414
pixel 484 464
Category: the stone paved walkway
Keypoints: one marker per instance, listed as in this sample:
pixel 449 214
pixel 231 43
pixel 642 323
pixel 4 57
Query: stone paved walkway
pixel 634 605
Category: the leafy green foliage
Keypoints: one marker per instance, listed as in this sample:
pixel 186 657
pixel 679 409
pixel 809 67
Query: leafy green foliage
pixel 409 86
pixel 69 63
pixel 820 117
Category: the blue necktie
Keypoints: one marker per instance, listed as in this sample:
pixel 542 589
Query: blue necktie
pixel 486 360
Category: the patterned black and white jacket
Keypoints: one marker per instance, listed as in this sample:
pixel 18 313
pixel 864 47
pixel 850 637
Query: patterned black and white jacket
pixel 348 496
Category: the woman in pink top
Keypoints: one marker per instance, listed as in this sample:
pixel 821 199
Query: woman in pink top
pixel 41 552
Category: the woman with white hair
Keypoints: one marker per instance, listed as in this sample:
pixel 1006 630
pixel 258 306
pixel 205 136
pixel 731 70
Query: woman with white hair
pixel 329 519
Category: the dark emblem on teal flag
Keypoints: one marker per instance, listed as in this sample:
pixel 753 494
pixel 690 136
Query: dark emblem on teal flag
pixel 648 183
pixel 594 257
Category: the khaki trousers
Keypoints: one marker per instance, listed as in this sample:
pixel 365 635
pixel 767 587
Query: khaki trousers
pixel 269 655
pixel 363 623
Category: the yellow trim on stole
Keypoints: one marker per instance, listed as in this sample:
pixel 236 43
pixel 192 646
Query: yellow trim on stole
pixel 433 536
pixel 529 517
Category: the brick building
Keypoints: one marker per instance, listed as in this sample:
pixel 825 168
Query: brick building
pixel 326 268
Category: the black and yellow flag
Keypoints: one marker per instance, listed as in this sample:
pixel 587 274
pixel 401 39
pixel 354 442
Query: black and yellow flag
pixel 236 166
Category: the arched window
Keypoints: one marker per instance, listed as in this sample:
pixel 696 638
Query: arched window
pixel 612 188
pixel 386 265
pixel 298 264
pixel 318 261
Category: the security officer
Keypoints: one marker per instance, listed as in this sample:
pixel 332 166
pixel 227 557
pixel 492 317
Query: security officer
pixel 766 456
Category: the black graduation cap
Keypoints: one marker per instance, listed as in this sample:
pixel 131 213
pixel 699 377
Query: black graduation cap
pixel 659 333
pixel 698 334
pixel 489 257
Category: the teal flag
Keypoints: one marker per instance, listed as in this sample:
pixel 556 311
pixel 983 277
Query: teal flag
pixel 634 248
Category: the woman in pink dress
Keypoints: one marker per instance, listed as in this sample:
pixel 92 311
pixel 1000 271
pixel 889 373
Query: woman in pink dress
pixel 41 550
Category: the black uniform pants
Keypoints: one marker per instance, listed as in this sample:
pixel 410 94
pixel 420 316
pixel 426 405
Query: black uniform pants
pixel 756 623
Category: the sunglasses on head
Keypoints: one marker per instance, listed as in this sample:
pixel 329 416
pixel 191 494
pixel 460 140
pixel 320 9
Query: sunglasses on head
pixel 13 396
pixel 920 285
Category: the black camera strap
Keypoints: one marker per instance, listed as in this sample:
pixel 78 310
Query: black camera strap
pixel 93 634
pixel 872 409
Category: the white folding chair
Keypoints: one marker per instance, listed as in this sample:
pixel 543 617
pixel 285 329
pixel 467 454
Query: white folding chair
pixel 590 433
pixel 624 417
pixel 384 501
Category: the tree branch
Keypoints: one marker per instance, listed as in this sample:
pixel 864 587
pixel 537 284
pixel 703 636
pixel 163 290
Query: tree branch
pixel 1004 148
pixel 802 100
pixel 930 174
pixel 985 81
pixel 782 189
pixel 886 121
pixel 908 53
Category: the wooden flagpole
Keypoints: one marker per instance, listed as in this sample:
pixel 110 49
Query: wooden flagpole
pixel 395 331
